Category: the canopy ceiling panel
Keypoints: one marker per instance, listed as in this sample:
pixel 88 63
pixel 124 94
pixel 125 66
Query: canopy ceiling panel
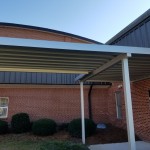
pixel 37 59
pixel 139 68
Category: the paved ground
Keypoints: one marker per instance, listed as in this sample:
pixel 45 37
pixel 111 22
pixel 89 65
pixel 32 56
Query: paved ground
pixel 140 145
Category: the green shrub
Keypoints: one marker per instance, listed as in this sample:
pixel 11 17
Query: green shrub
pixel 20 123
pixel 75 129
pixel 3 127
pixel 44 127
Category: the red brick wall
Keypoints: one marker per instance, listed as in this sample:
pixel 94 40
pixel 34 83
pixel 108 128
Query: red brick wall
pixel 61 104
pixel 140 104
pixel 100 105
pixel 141 108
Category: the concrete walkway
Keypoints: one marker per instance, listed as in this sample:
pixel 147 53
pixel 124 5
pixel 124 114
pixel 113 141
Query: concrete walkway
pixel 140 145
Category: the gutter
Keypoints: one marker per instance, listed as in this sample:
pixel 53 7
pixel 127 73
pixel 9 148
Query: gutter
pixel 90 101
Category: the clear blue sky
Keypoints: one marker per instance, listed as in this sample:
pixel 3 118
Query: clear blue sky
pixel 95 19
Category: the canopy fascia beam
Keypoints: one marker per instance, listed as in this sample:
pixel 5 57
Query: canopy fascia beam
pixel 105 66
pixel 107 80
pixel 51 45
pixel 42 70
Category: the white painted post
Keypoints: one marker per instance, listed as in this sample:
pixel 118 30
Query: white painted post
pixel 82 113
pixel 128 104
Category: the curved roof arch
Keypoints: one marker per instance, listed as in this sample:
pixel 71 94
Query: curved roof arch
pixel 48 30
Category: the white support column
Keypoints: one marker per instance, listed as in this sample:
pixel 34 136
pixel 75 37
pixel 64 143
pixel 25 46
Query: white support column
pixel 128 104
pixel 82 113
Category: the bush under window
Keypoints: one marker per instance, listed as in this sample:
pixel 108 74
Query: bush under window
pixel 20 123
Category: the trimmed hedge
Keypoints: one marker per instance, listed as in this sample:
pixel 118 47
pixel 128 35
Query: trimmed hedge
pixel 20 123
pixel 44 127
pixel 75 129
pixel 3 127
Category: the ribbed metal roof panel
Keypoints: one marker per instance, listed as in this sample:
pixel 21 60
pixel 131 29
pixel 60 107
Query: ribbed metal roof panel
pixel 138 26
pixel 40 78
pixel 140 37
pixel 135 34
pixel 37 78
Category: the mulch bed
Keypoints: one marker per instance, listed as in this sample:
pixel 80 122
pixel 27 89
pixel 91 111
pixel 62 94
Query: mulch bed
pixel 109 135
pixel 102 136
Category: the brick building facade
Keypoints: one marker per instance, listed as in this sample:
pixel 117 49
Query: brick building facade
pixel 61 101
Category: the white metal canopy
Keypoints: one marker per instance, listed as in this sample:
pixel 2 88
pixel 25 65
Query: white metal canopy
pixel 97 62
pixel 62 57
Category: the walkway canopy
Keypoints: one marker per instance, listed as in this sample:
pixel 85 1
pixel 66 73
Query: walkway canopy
pixel 100 62
pixel 94 62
